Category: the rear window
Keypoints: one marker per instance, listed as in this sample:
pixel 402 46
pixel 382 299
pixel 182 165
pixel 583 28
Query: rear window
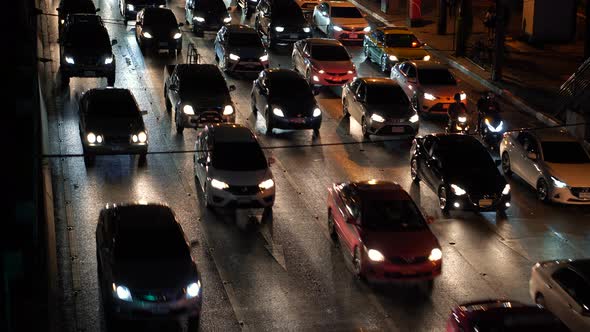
pixel 381 94
pixel 238 156
pixel 564 153
pixel 436 77
pixel 521 322
pixel 346 12
pixel 329 53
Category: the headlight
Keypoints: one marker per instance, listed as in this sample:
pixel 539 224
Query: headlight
pixel 70 60
pixel 350 72
pixel 278 112
pixel 393 58
pixel 506 190
pixel 435 255
pixel 279 29
pixel 130 7
pixel 367 29
pixel 316 78
pixel 146 34
pixel 193 289
pixel 228 110
pixel 99 139
pixel 377 118
pixel 227 20
pixel 123 293
pixel 336 28
pixel 199 19
pixel 62 21
pixel 188 109
pixel 161 6
pixel 491 128
pixel 458 190
pixel 321 71
pixel 108 60
pixel 266 184
pixel 463 96
pixel 375 255
pixel 306 29
pixel 414 118
pixel 557 183
pixel 177 35
pixel 264 58
pixel 462 119
pixel 426 58
pixel 428 96
pixel 93 138
pixel 219 184
pixel 142 137
pixel 317 112
pixel 234 57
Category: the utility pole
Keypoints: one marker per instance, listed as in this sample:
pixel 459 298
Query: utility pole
pixel 498 59
pixel 442 17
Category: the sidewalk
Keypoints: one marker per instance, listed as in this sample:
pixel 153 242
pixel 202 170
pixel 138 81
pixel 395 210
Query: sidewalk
pixel 531 76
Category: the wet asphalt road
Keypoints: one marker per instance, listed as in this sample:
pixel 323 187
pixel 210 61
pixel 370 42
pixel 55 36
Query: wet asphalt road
pixel 286 274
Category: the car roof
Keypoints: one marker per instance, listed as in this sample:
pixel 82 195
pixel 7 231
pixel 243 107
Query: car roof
pixel 144 216
pixel 553 135
pixel 323 41
pixel 241 28
pixel 421 64
pixel 209 70
pixel 389 30
pixel 231 132
pixel 108 92
pixel 340 4
pixel 378 81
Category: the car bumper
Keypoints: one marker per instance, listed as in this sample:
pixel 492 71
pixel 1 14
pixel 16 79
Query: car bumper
pixel 206 26
pixel 247 66
pixel 231 198
pixel 439 105
pixel 157 310
pixel 356 36
pixel 393 273
pixel 106 148
pixel 285 38
pixel 574 196
pixel 393 128
pixel 465 202
pixel 162 44
pixel 88 70
pixel 327 79
pixel 200 120
pixel 296 123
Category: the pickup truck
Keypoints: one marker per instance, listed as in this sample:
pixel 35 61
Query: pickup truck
pixel 198 94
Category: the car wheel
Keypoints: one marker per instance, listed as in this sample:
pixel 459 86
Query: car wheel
pixel 269 126
pixel 142 159
pixel 357 263
pixel 65 79
pixel 384 67
pixel 167 102
pixel 179 127
pixel 206 197
pixel 414 170
pixel 542 190
pixel 427 287
pixel 366 52
pixel 540 300
pixel 253 105
pixel 506 164
pixel 365 128
pixel 332 226
pixel 345 111
pixel 89 159
pixel 193 323
pixel 111 80
pixel 443 199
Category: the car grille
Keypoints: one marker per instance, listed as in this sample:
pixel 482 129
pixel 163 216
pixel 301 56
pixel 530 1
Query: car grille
pixel 408 260
pixel 89 60
pixel 336 74
pixel 243 190
pixel 209 115
pixel 160 295
pixel 399 275
pixel 576 191
pixel 356 29
pixel 116 139
pixel 388 130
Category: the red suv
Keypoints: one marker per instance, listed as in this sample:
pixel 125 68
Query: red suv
pixel 502 315
pixel 383 232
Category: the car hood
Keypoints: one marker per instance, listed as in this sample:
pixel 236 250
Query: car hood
pixel 241 178
pixel 349 22
pixel 98 51
pixel 115 127
pixel 246 52
pixel 575 175
pixel 477 181
pixel 406 52
pixel 392 111
pixel 295 105
pixel 405 244
pixel 442 91
pixel 154 274
pixel 333 66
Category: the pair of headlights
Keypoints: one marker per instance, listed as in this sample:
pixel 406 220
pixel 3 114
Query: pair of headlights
pixel 378 118
pixel 93 138
pixel 148 35
pixel 107 60
pixel 377 256
pixel 264 185
pixel 235 57
pixel 201 19
pixel 279 112
pixel 429 96
pixel 491 127
pixel 189 110
pixel 394 58
pixel 123 293
pixel 460 191
pixel 338 29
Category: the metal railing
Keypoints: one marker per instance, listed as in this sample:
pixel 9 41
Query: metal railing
pixel 572 90
pixel 192 56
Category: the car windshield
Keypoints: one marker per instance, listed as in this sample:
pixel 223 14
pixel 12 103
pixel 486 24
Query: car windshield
pixel 152 244
pixel 385 94
pixel 89 38
pixel 401 40
pixel 238 156
pixel 160 17
pixel 522 322
pixel 244 39
pixel 564 153
pixel 346 12
pixel 392 215
pixel 329 53
pixel 112 107
pixel 290 87
pixel 436 77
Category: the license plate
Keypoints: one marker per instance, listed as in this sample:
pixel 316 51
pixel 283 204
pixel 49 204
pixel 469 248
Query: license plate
pixel 118 148
pixel 163 44
pixel 294 36
pixel 89 73
pixel 485 202
pixel 297 120
pixel 353 36
pixel 397 129
pixel 585 195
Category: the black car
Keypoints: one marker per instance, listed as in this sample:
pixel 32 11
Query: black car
pixel 157 28
pixel 238 49
pixel 248 6
pixel 286 100
pixel 144 264
pixel 281 22
pixel 198 94
pixel 85 49
pixel 130 8
pixel 461 171
pixel 111 122
pixel 206 15
pixel 67 7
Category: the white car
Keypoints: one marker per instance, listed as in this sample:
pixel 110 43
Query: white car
pixel 430 86
pixel 232 169
pixel 341 20
pixel 563 287
pixel 551 161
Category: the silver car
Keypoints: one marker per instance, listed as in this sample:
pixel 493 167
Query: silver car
pixel 551 161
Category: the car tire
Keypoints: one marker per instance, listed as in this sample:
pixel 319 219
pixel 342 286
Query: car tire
pixel 167 102
pixel 89 159
pixel 414 170
pixel 543 190
pixel 142 160
pixel 253 105
pixel 267 215
pixel 540 300
pixel 364 128
pixel 332 226
pixel 316 131
pixel 345 111
pixel 357 263
pixel 269 126
pixel 383 64
pixel 506 164
pixel 193 323
pixel 65 79
pixel 443 202
pixel 111 80
pixel 367 54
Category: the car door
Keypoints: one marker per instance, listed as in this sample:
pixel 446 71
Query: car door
pixel 322 17
pixel 411 80
pixel 370 41
pixel 82 108
pixel 297 56
pixel 188 12
pixel 355 107
pixel 220 40
pixel 570 286
pixel 350 210
pixel 400 75
pixel 375 48
pixel 200 158
pixel 529 170
pixel 264 18
pixel 174 89
pixel 105 246
pixel 429 164
pixel 138 27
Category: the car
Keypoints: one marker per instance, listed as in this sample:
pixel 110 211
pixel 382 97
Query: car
pixel 111 122
pixel 383 232
pixel 459 169
pixel 381 107
pixel 323 62
pixel 86 49
pixel 130 8
pixel 67 7
pixel 231 168
pixel 198 94
pixel 563 287
pixel 502 315
pixel 387 46
pixel 551 161
pixel 341 20
pixel 138 279
pixel 307 7
pixel 206 15
pixel 429 85
pixel 280 22
pixel 157 28
pixel 248 6
pixel 285 100
pixel 238 48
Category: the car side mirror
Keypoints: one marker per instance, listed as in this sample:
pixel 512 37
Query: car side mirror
pixel 143 112
pixel 114 42
pixel 97 10
pixel 180 24
pixel 531 155
pixel 232 88
pixel 202 161
pixel 271 160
